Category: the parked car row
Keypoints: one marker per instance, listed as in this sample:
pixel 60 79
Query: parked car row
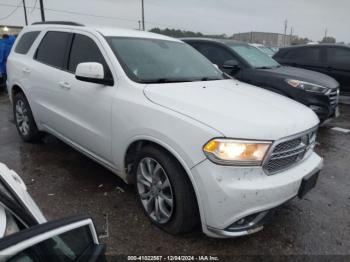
pixel 200 146
pixel 246 63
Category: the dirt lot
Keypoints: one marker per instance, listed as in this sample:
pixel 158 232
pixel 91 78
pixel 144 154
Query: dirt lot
pixel 64 182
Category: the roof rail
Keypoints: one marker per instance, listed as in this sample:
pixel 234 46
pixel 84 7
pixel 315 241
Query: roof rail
pixel 58 23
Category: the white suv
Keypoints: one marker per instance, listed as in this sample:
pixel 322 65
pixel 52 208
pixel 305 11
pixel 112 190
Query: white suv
pixel 157 113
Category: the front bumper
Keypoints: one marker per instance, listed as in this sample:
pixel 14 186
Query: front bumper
pixel 228 194
pixel 324 105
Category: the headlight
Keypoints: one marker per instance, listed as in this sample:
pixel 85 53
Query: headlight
pixel 307 86
pixel 236 152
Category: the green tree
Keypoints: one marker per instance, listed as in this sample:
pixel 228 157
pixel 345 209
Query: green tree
pixel 300 41
pixel 328 40
pixel 181 33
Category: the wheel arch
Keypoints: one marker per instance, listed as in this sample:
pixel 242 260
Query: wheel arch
pixel 15 89
pixel 137 144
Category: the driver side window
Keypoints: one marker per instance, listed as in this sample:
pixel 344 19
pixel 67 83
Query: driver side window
pixel 216 54
pixel 84 49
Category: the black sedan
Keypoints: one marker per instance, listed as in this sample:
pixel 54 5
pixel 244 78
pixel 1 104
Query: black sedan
pixel 248 64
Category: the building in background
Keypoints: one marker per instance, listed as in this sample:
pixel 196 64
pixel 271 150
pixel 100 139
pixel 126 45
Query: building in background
pixel 10 30
pixel 264 38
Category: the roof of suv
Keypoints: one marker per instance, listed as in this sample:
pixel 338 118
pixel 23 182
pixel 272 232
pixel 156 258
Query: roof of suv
pixel 313 45
pixel 104 30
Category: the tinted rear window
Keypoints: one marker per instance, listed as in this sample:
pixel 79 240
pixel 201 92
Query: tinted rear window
pixel 26 42
pixel 53 48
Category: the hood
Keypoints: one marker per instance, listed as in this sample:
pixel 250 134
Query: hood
pixel 287 72
pixel 235 109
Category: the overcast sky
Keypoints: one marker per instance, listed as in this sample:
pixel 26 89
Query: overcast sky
pixel 309 18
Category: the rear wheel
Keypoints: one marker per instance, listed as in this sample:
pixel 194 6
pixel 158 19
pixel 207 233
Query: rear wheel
pixel 165 192
pixel 24 119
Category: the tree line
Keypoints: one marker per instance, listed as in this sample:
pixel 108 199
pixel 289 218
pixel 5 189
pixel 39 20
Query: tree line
pixel 183 33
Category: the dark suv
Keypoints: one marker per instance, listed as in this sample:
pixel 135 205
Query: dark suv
pixel 333 60
pixel 250 65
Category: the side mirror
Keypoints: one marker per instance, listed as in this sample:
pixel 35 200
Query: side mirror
pixel 93 73
pixel 231 65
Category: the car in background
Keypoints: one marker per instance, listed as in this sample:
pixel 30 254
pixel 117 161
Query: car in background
pixel 25 234
pixel 329 59
pixel 248 64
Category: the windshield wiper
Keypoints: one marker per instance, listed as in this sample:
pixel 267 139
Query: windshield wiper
pixel 209 79
pixel 263 67
pixel 164 80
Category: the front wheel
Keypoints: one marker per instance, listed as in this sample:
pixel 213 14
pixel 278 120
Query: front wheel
pixel 24 119
pixel 164 191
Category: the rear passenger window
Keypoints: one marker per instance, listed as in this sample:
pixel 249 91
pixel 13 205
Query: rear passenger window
pixel 53 49
pixel 84 49
pixel 25 42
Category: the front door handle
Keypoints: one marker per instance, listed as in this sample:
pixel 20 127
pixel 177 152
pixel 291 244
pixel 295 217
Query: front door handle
pixel 65 85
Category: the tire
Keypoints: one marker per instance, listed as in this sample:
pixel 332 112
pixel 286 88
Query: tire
pixel 24 119
pixel 183 216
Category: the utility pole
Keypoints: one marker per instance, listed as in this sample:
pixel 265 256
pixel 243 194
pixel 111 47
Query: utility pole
pixel 25 12
pixel 291 35
pixel 143 15
pixel 285 31
pixel 325 33
pixel 42 11
pixel 139 25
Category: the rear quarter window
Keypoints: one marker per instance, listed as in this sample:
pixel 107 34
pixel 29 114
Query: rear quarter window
pixel 53 49
pixel 25 42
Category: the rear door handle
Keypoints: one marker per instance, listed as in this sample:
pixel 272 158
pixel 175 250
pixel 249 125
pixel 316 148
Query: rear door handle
pixel 26 70
pixel 65 85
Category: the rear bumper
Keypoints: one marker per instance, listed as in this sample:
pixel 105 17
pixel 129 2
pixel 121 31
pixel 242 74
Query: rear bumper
pixel 229 194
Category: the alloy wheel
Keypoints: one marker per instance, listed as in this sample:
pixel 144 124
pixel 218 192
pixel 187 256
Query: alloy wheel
pixel 22 118
pixel 155 190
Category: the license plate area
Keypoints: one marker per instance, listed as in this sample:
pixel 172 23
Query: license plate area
pixel 308 183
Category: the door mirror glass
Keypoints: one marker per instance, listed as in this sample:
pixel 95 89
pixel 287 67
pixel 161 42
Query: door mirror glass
pixel 93 73
pixel 231 64
pixel 63 240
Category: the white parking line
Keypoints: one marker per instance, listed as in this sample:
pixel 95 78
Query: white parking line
pixel 339 129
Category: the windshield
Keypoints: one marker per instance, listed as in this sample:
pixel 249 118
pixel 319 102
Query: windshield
pixel 267 50
pixel 254 57
pixel 160 61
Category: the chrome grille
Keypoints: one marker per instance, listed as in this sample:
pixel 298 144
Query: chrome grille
pixel 286 153
pixel 334 97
